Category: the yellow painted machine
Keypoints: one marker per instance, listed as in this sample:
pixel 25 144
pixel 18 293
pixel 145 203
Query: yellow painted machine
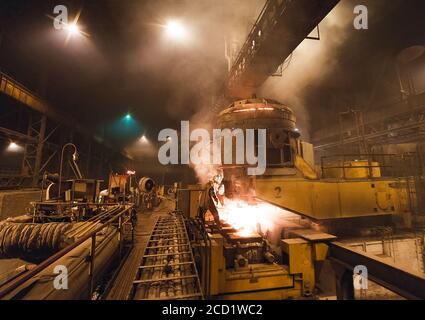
pixel 249 266
pixel 342 191
pixel 294 278
pixel 356 186
pixel 333 199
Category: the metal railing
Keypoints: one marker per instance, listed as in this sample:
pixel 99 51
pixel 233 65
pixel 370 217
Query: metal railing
pixel 19 92
pixel 349 166
pixel 199 235
pixel 252 42
pixel 116 218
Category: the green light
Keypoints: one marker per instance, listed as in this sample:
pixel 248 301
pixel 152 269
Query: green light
pixel 128 116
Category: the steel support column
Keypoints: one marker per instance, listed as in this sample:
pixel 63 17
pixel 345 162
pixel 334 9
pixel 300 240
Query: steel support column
pixel 33 154
pixel 39 150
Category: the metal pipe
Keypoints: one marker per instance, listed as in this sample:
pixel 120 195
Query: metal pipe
pixel 61 165
pixel 40 267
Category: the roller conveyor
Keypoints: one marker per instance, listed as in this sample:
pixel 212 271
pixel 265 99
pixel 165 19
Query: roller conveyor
pixel 167 269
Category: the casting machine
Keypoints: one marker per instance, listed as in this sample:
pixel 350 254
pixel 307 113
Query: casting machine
pixel 283 258
pixel 343 195
pixel 342 188
pixel 253 263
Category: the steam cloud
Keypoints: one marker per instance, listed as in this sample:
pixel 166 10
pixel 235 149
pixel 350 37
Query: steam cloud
pixel 195 71
pixel 310 62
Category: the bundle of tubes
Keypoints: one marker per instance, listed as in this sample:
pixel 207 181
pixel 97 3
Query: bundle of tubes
pixel 79 229
pixel 37 241
pixel 31 241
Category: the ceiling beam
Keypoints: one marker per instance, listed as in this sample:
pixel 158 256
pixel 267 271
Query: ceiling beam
pixel 17 91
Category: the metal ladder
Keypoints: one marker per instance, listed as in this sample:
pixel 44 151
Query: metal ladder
pixel 167 270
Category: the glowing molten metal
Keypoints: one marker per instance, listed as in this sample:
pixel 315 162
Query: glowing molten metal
pixel 250 219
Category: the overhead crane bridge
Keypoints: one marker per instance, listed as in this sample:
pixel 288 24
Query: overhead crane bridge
pixel 281 26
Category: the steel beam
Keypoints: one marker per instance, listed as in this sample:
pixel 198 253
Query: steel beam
pixel 39 150
pixel 371 136
pixel 405 283
pixel 17 91
pixel 280 28
pixel 15 134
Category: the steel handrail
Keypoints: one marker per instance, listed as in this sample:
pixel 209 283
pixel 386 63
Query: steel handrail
pixel 40 267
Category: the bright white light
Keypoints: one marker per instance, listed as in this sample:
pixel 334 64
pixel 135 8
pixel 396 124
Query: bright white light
pixel 249 219
pixel 13 147
pixel 143 139
pixel 176 30
pixel 73 29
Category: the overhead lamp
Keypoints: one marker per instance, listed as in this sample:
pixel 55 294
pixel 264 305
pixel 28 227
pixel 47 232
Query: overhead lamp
pixel 13 147
pixel 176 30
pixel 73 29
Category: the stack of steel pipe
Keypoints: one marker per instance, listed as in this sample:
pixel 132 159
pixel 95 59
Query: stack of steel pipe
pixel 37 241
